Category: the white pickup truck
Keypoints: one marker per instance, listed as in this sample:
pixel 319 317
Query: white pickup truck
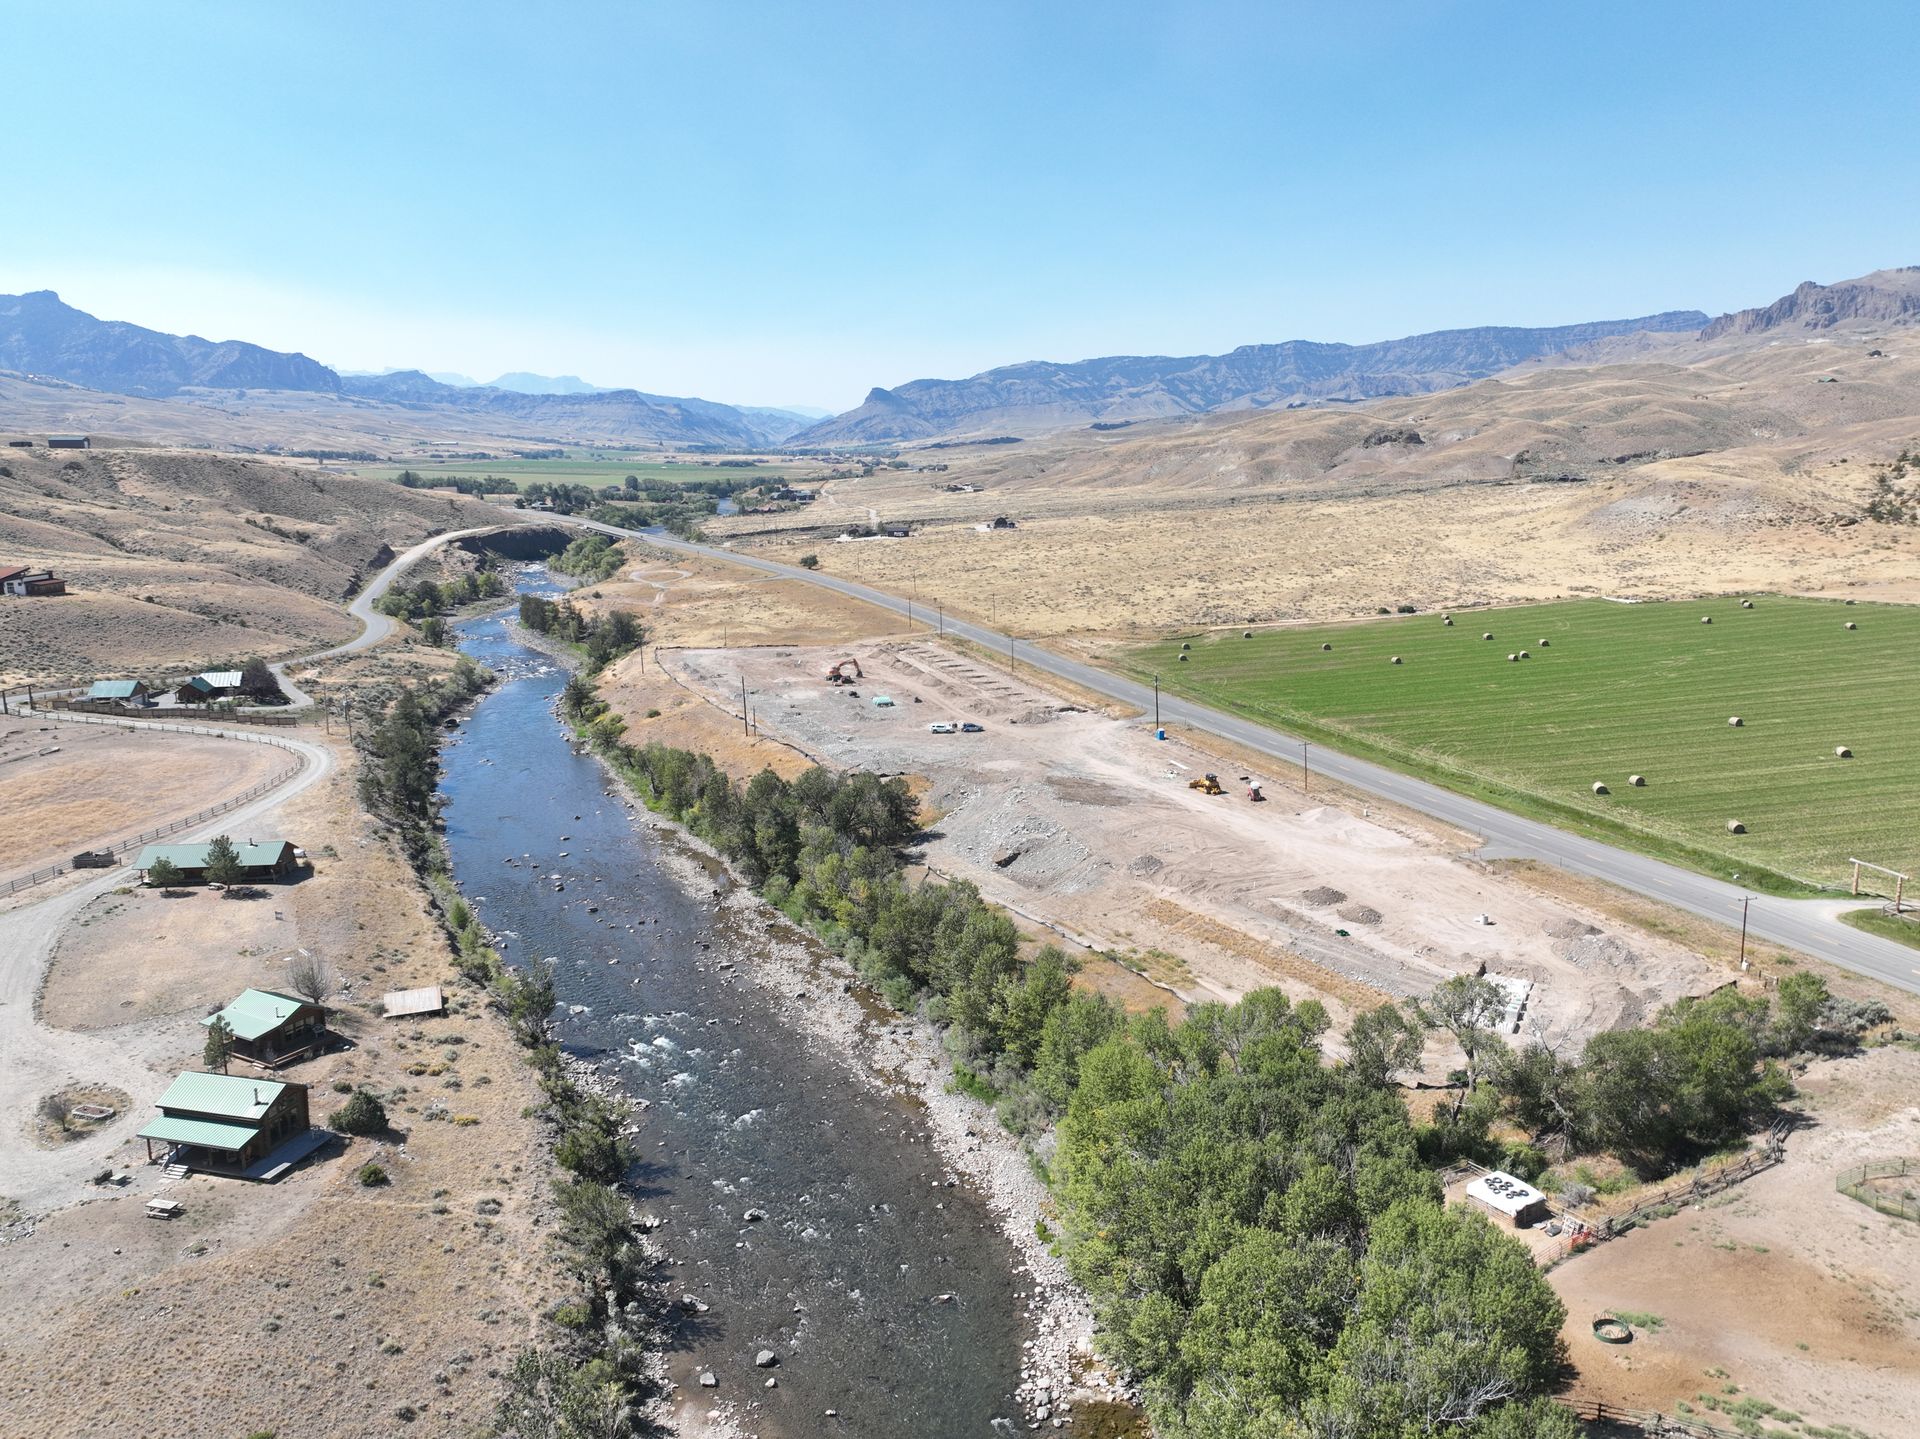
pixel 942 727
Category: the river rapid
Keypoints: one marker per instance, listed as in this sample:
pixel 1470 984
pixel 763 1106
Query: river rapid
pixel 803 1206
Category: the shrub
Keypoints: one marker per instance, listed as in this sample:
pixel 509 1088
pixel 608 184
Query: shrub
pixel 362 1114
pixel 371 1175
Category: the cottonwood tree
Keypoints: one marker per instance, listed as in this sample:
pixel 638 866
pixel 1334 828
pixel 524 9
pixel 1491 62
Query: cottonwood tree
pixel 312 979
pixel 1467 1008
pixel 1383 1042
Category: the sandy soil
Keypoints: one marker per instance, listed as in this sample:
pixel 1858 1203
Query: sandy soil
pixel 1782 1286
pixel 1084 823
pixel 352 1304
pixel 102 785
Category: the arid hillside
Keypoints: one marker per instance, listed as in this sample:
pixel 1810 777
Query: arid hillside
pixel 1747 461
pixel 175 559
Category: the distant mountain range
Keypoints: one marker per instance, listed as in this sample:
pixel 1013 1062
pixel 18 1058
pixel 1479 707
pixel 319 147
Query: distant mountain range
pixel 42 335
pixel 1030 398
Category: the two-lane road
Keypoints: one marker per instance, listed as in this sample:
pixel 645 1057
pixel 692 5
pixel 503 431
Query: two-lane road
pixel 1811 926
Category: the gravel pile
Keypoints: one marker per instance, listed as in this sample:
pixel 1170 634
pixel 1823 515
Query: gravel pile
pixel 1570 928
pixel 1322 895
pixel 1359 914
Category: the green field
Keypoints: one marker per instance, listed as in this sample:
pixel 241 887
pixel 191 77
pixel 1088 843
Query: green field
pixel 587 467
pixel 1619 690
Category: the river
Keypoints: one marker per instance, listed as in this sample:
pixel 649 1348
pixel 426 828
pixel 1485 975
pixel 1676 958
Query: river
pixel 887 1293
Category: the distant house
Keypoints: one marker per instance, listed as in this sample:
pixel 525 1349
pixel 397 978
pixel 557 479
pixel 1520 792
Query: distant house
pixel 69 442
pixel 195 691
pixel 209 684
pixel 120 691
pixel 265 859
pixel 271 1028
pixel 227 1122
pixel 19 580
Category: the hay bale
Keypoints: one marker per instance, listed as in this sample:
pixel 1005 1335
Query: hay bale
pixel 1599 788
pixel 1706 619
pixel 1395 660
pixel 1735 827
pixel 1842 752
pixel 1324 648
pixel 1246 634
pixel 1525 655
pixel 1184 646
pixel 1851 625
pixel 1488 635
pixel 1511 659
pixel 1735 721
pixel 1448 622
pixel 1638 781
pixel 1545 643
pixel 1746 604
pixel 1183 657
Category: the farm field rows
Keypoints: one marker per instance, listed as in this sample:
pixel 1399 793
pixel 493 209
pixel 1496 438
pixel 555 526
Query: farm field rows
pixel 1609 691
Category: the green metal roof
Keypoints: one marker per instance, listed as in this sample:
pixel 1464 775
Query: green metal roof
pixel 231 1096
pixel 221 679
pixel 198 683
pixel 113 689
pixel 203 1132
pixel 194 856
pixel 257 1012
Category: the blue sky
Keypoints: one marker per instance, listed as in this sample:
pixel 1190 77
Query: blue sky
pixel 789 204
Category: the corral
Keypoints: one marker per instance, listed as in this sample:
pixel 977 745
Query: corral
pixel 1082 822
pixel 1621 691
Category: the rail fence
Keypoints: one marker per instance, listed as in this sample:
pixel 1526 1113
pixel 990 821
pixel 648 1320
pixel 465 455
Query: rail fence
pixel 1853 1182
pixel 222 716
pixel 272 782
pixel 1645 1421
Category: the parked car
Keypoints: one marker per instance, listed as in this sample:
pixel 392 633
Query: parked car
pixel 940 727
pixel 971 728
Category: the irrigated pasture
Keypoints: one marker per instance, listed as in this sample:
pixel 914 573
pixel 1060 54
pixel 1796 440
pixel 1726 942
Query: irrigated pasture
pixel 1607 692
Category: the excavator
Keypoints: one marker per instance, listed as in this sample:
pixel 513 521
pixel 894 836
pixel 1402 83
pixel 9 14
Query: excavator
pixel 838 674
pixel 1207 784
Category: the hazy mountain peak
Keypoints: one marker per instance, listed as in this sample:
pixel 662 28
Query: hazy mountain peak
pixel 525 383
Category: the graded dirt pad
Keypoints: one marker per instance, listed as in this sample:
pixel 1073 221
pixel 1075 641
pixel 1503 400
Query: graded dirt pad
pixel 1782 1286
pixel 1085 822
pixel 379 1310
pixel 99 785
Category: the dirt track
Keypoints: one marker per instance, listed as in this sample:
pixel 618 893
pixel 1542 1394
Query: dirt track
pixel 1084 822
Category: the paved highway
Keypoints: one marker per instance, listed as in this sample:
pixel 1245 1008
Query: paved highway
pixel 1810 926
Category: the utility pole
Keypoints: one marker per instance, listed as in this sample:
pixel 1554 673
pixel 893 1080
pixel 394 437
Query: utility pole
pixel 1156 704
pixel 1745 900
pixel 1009 654
pixel 1303 766
pixel 942 609
pixel 745 727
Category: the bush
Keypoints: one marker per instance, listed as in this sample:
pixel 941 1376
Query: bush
pixel 372 1176
pixel 809 562
pixel 362 1114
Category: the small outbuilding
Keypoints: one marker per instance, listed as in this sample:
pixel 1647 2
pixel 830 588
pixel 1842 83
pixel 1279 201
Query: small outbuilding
pixel 271 1028
pixel 25 583
pixel 227 1123
pixel 402 1003
pixel 69 442
pixel 259 859
pixel 1513 1200
pixel 120 691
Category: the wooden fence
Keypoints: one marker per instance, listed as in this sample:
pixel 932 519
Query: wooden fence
pixel 1644 1421
pixel 126 846
pixel 1853 1182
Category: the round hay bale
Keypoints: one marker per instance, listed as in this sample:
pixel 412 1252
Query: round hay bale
pixel 1735 827
pixel 1395 660
pixel 1746 604
pixel 1246 634
pixel 1448 622
pixel 1638 781
pixel 1325 648
pixel 1184 646
pixel 1735 721
pixel 1842 752
pixel 1706 619
pixel 1851 625
pixel 1488 635
pixel 1525 655
pixel 1545 643
pixel 1599 788
pixel 1512 658
pixel 1183 657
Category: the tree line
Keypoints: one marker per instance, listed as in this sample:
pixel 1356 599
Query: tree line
pixel 427 599
pixel 1266 1248
pixel 600 638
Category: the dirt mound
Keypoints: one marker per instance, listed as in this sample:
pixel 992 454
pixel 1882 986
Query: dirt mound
pixel 1322 895
pixel 1144 864
pixel 1594 950
pixel 1359 914
pixel 1570 928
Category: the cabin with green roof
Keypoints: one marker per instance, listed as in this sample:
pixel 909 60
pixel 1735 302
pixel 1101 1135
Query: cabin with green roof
pixel 229 1124
pixel 259 859
pixel 126 692
pixel 271 1028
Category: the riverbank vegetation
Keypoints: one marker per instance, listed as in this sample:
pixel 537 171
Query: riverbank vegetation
pixel 591 1371
pixel 426 601
pixel 1266 1249
pixel 593 556
pixel 599 639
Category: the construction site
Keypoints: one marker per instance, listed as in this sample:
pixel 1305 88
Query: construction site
pixel 1086 826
